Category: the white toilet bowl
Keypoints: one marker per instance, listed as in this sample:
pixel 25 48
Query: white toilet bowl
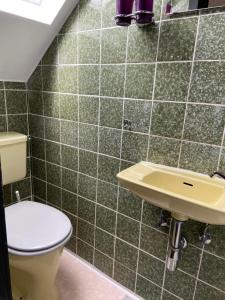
pixel 36 236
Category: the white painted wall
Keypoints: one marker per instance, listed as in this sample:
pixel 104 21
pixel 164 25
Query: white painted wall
pixel 23 42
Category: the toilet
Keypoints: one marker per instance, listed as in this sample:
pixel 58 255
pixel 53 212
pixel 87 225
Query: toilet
pixel 36 232
pixel 36 236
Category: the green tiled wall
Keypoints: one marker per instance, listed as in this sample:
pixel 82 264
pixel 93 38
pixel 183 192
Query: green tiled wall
pixel 14 117
pixel 168 80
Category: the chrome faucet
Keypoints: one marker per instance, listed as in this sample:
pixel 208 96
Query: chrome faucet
pixel 219 174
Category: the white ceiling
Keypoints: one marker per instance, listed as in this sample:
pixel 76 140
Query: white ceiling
pixel 25 39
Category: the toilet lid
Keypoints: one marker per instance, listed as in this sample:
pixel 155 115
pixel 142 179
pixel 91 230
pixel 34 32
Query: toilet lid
pixel 32 226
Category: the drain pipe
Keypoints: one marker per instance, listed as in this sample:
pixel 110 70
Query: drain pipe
pixel 177 243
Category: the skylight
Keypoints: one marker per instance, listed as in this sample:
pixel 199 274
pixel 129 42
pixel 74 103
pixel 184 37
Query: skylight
pixel 37 2
pixel 43 11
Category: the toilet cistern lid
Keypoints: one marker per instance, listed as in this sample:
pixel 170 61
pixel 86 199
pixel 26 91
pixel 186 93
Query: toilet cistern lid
pixel 32 226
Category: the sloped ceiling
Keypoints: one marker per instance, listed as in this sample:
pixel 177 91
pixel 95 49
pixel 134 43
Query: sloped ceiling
pixel 24 42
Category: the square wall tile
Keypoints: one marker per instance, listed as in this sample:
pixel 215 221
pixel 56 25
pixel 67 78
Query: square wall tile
pixel 52 152
pixel 54 195
pixel 147 289
pixel 108 13
pixel 18 123
pixel 87 187
pixel 88 162
pixel 180 284
pixel 39 188
pixel 204 124
pixel 128 230
pixel 108 168
pixel 129 204
pixel 2 102
pixel 177 39
pixel 51 105
pixel 35 80
pixel 36 126
pixel 222 160
pixel 88 109
pixel 35 103
pixel 154 242
pixel 110 141
pixel 69 133
pixel 69 180
pixel 134 146
pixel 111 112
pixel 88 137
pixel 85 251
pixel 85 232
pixel 69 107
pixel 71 23
pixel 50 78
pixel 13 85
pixel 16 102
pixel 139 81
pixel 190 259
pixel 142 44
pixel 126 254
pixel 67 48
pixel 172 81
pixel 69 156
pixel 112 80
pixel 52 129
pixel 216 266
pixel 103 263
pixel 90 14
pixel 164 151
pixel 69 202
pixel 211 41
pixel 89 47
pixel 106 219
pixel 104 242
pixel 124 276
pixel 107 194
pixel 89 80
pixel 86 210
pixel 3 125
pixel 53 174
pixel 138 113
pixel 207 292
pixel 38 148
pixel 167 119
pixel 113 45
pixel 151 216
pixel 199 158
pixel 151 268
pixel 51 55
pixel 67 79
pixel 38 168
pixel 208 82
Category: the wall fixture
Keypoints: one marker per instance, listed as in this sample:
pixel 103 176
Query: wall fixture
pixel 143 14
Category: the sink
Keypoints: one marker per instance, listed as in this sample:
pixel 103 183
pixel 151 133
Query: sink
pixel 184 193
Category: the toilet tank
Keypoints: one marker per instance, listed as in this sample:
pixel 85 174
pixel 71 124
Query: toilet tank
pixel 13 152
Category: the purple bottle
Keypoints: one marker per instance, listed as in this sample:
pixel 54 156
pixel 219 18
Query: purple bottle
pixel 144 11
pixel 124 12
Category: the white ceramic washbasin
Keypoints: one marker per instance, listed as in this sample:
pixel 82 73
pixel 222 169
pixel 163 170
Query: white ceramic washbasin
pixel 186 194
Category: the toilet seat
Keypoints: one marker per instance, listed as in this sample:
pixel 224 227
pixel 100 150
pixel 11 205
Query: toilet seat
pixel 34 228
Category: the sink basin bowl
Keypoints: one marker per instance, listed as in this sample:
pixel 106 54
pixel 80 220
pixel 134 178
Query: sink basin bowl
pixel 186 194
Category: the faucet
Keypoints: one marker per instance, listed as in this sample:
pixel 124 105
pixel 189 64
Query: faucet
pixel 220 174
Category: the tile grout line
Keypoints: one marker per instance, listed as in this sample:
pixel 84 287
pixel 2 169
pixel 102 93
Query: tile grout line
pixel 139 247
pixel 60 124
pixel 188 93
pixel 78 128
pixel 221 148
pixel 198 272
pixel 121 145
pixel 98 130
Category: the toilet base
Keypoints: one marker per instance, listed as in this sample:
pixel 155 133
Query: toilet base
pixel 33 277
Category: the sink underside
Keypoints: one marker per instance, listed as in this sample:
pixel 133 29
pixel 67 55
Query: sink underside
pixel 193 195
